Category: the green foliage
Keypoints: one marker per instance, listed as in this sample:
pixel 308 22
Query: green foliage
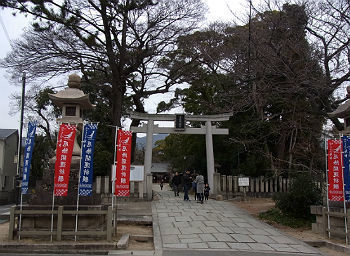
pixel 276 216
pixel 185 152
pixel 102 160
pixel 297 201
pixel 42 152
pixel 274 89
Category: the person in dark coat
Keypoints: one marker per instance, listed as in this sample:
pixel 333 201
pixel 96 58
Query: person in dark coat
pixel 194 186
pixel 187 184
pixel 206 191
pixel 176 182
pixel 161 184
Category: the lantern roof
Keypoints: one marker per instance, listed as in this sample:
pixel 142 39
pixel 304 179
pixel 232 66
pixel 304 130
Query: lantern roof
pixel 72 95
pixel 343 110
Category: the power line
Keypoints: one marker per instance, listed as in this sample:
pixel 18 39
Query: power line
pixel 5 30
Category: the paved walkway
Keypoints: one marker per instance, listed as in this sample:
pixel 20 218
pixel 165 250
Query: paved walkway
pixel 185 228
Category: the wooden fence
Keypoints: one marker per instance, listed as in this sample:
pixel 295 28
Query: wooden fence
pixel 60 215
pixel 258 186
pixel 331 223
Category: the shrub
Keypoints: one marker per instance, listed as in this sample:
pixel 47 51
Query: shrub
pixel 275 216
pixel 297 201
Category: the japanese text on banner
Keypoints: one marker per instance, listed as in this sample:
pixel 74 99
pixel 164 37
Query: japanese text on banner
pixel 122 181
pixel 27 156
pixel 335 180
pixel 65 143
pixel 87 158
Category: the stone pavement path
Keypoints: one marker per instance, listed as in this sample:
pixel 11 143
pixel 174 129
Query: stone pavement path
pixel 216 226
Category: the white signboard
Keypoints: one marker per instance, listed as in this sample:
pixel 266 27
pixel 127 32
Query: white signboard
pixel 136 172
pixel 243 182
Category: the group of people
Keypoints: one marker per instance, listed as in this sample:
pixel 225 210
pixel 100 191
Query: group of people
pixel 196 181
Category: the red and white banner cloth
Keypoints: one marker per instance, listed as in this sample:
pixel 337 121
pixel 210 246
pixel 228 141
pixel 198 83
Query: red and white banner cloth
pixel 122 179
pixel 64 150
pixel 335 171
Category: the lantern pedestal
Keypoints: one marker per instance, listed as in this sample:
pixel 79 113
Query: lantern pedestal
pixel 44 188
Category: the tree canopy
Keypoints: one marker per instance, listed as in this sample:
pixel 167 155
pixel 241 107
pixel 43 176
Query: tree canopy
pixel 120 40
pixel 266 74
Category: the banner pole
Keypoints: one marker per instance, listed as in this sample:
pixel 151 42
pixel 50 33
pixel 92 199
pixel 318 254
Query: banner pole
pixel 114 177
pixel 345 211
pixel 328 220
pixel 20 217
pixel 76 215
pixel 52 208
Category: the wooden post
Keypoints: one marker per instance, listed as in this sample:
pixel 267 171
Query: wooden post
pixel 284 180
pixel 229 182
pixel 280 183
pixel 216 188
pixel 98 184
pixel 275 185
pixel 59 223
pixel 106 185
pixel 257 186
pixel 262 187
pixel 109 224
pixel 12 222
pixel 140 189
pixel 224 183
pixel 251 184
pixel 271 185
pixel 266 185
pixel 235 184
pixel 325 221
pixel 132 188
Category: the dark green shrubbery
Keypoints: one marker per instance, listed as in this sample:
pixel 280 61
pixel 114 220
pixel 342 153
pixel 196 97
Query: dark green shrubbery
pixel 297 201
pixel 274 215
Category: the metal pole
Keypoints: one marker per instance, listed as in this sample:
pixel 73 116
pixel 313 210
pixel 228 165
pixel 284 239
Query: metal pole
pixel 20 217
pixel 113 178
pixel 342 174
pixel 18 172
pixel 52 208
pixel 328 221
pixel 81 153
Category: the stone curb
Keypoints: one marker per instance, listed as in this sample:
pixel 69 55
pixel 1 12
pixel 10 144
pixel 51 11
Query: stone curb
pixel 135 253
pixel 157 239
pixel 330 245
pixel 97 248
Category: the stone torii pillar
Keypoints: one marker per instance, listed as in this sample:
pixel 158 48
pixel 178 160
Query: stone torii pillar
pixel 208 130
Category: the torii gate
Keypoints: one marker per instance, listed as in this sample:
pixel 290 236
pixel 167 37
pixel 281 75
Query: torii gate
pixel 180 127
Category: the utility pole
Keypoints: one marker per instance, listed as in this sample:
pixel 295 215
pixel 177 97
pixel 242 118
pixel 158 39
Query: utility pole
pixel 20 134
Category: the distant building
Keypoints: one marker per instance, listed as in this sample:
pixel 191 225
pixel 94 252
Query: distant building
pixel 160 171
pixel 8 169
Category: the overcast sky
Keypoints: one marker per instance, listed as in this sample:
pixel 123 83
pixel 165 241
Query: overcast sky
pixel 218 10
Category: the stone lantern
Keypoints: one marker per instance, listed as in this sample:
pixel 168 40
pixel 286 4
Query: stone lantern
pixel 73 101
pixel 343 111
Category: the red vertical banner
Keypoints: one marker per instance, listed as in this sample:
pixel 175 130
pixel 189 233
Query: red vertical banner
pixel 335 169
pixel 64 150
pixel 122 181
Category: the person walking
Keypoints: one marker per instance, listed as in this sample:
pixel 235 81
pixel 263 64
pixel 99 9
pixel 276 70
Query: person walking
pixel 176 182
pixel 200 188
pixel 161 184
pixel 187 184
pixel 194 186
